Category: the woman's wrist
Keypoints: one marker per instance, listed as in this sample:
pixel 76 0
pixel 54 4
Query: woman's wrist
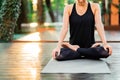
pixel 105 44
pixel 59 45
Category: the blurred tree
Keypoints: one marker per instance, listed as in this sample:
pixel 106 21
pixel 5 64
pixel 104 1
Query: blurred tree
pixel 50 10
pixel 9 14
pixel 23 16
pixel 27 14
pixel 30 11
pixel 58 7
pixel 40 12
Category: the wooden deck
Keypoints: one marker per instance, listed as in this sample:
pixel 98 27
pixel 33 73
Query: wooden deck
pixel 24 61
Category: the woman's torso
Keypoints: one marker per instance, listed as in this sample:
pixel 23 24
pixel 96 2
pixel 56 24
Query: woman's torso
pixel 82 27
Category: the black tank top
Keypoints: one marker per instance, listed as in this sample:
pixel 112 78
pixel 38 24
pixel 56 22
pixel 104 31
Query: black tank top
pixel 82 28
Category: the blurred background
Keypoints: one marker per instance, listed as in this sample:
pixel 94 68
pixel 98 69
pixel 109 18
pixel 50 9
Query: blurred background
pixel 43 18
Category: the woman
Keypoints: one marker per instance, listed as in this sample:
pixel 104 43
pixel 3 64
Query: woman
pixel 82 17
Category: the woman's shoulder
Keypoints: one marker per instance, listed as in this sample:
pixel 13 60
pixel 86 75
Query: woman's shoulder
pixel 95 5
pixel 68 8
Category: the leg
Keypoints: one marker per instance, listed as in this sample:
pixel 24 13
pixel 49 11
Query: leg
pixel 67 54
pixel 94 53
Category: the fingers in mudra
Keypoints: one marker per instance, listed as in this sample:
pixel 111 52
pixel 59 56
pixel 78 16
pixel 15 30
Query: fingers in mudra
pixel 96 45
pixel 72 47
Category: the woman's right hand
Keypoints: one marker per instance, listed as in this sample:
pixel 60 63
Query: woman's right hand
pixel 56 52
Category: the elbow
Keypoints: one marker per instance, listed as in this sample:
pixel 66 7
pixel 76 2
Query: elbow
pixel 100 24
pixel 65 29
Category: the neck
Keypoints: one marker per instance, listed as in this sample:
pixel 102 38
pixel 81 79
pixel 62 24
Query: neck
pixel 82 4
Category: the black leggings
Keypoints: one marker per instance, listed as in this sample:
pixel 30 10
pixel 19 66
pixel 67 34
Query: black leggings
pixel 89 53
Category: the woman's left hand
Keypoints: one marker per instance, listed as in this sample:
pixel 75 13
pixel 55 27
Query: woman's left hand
pixel 107 47
pixel 96 44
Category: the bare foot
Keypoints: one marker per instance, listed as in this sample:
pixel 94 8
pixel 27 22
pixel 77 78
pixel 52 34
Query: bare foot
pixel 73 47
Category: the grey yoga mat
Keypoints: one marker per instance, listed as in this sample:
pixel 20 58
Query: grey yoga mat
pixel 76 66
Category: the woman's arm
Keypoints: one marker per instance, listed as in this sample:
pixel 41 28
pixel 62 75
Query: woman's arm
pixel 63 33
pixel 64 29
pixel 100 28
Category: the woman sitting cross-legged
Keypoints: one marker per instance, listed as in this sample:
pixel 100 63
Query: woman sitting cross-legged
pixel 81 19
pixel 70 52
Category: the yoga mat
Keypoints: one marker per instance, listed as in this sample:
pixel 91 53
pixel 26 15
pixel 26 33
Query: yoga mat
pixel 76 66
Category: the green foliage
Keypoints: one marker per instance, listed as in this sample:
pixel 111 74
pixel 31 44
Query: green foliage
pixel 58 5
pixel 30 14
pixel 1 1
pixel 71 1
pixel 9 14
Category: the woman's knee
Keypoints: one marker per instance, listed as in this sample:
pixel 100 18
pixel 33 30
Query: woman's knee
pixel 60 58
pixel 102 52
pixel 67 54
pixel 63 54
